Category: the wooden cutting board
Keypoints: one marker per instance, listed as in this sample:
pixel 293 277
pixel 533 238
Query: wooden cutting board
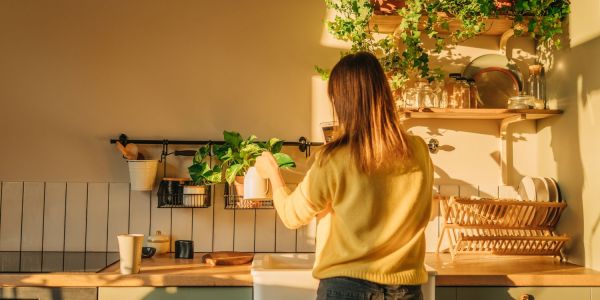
pixel 227 258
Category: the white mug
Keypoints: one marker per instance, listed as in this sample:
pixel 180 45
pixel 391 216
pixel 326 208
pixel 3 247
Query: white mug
pixel 130 253
pixel 256 187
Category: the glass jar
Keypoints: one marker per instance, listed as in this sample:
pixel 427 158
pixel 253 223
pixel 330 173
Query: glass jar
pixel 537 85
pixel 438 89
pixel 448 94
pixel 462 93
pixel 522 101
pixel 474 94
pixel 423 95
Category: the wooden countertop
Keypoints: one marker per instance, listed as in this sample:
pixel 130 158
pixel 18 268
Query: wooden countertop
pixel 160 270
pixel 479 270
pixel 466 270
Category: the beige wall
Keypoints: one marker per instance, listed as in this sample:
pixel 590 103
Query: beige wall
pixel 568 145
pixel 75 73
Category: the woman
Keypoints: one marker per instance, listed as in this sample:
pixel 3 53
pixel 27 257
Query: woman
pixel 370 189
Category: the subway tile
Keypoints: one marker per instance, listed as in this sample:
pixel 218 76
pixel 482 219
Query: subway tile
pixel 75 222
pixel 10 218
pixel 97 217
pixel 244 230
pixel 54 216
pixel 118 214
pixel 33 212
pixel 265 230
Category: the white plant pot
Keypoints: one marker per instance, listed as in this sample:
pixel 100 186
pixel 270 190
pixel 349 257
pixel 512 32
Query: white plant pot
pixel 142 174
pixel 256 187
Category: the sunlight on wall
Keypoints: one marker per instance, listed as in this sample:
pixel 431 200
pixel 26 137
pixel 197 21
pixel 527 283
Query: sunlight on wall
pixel 583 26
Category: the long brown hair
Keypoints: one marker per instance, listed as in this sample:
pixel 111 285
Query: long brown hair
pixel 368 122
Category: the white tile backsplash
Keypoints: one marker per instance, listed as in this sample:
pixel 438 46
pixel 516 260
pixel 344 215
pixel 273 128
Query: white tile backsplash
pixel 78 216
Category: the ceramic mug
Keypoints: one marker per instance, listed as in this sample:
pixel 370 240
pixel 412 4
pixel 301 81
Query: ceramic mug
pixel 255 186
pixel 130 253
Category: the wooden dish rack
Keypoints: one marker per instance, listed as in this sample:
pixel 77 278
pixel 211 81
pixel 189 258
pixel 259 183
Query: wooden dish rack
pixel 501 226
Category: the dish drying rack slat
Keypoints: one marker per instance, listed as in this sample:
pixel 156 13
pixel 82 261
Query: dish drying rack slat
pixel 501 226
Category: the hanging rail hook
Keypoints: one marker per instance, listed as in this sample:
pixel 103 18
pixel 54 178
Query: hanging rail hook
pixel 165 150
pixel 123 139
pixel 304 146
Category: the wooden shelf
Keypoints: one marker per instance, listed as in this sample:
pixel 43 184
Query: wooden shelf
pixel 478 113
pixel 493 26
pixel 500 26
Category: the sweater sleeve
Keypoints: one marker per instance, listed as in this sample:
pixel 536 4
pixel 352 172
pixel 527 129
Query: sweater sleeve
pixel 297 208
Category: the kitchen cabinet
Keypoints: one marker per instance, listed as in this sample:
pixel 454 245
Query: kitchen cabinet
pixel 510 293
pixel 445 293
pixel 46 293
pixel 179 293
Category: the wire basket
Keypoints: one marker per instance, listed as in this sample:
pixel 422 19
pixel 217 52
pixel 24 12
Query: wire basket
pixel 181 198
pixel 233 201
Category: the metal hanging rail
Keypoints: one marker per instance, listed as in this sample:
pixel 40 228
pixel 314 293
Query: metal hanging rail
pixel 303 143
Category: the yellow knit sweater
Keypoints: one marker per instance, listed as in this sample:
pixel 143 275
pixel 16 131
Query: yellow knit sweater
pixel 374 228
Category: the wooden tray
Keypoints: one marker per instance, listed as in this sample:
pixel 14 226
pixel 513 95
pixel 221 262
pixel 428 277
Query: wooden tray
pixel 227 258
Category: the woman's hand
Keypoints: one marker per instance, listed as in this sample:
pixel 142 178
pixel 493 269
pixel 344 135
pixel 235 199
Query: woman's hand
pixel 267 167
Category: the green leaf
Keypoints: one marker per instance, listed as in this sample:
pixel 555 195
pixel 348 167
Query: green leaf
pixel 275 145
pixel 250 151
pixel 197 172
pixel 233 171
pixel 201 154
pixel 284 160
pixel 234 139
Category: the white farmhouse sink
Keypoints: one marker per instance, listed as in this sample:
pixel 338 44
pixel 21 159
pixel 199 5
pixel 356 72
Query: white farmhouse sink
pixel 289 276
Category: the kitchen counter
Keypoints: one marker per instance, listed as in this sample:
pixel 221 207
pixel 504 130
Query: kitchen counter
pixel 479 270
pixel 466 270
pixel 158 271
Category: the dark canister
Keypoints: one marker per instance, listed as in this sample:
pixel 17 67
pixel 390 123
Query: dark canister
pixel 170 191
pixel 184 249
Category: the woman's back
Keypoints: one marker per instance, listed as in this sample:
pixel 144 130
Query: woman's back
pixel 375 229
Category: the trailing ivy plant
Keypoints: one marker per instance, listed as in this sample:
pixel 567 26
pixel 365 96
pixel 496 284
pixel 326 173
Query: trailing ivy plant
pixel 541 19
pixel 238 154
pixel 422 19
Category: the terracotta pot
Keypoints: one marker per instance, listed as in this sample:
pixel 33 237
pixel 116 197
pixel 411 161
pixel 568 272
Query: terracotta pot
pixel 500 4
pixel 238 185
pixel 387 7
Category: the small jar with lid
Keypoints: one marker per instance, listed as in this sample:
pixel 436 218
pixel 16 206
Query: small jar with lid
pixel 159 241
pixel 449 99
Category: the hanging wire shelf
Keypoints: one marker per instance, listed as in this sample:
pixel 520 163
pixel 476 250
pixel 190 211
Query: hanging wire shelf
pixel 234 201
pixel 178 197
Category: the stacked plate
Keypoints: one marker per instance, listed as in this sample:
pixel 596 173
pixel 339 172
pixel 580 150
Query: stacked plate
pixel 539 189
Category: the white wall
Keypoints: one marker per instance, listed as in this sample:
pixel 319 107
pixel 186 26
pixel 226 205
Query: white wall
pixel 568 144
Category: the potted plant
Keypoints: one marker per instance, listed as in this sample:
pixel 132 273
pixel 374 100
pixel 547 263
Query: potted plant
pixel 238 155
pixel 203 175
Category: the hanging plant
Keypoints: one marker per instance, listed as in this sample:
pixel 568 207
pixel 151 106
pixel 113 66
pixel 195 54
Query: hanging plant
pixel 542 19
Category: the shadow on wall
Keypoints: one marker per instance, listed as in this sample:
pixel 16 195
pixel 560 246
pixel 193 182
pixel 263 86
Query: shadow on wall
pixel 573 81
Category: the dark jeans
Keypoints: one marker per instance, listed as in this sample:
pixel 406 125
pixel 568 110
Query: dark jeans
pixel 338 288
